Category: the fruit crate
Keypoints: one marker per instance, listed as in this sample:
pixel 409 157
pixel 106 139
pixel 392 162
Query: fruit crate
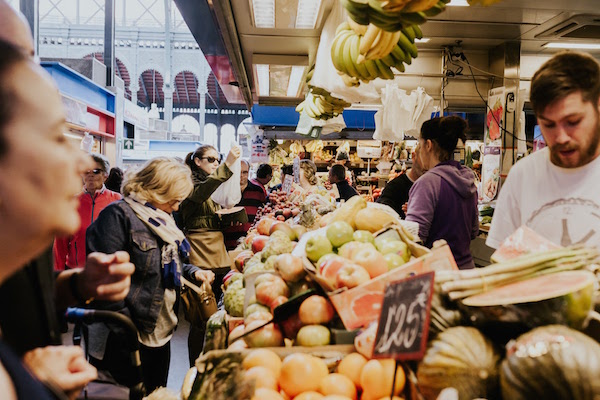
pixel 223 366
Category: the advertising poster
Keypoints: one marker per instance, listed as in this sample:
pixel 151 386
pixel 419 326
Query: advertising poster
pixel 259 148
pixel 490 173
pixel 494 121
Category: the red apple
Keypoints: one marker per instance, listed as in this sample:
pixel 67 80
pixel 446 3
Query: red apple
pixel 266 292
pixel 258 316
pixel 289 267
pixel 349 249
pixel 329 268
pixel 241 259
pixel 278 301
pixel 264 226
pixel 285 228
pixel 315 310
pixel 258 243
pixel 268 336
pixel 351 275
pixel 371 260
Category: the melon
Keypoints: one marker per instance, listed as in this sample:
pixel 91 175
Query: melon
pixel 562 298
pixel 551 362
pixel 462 358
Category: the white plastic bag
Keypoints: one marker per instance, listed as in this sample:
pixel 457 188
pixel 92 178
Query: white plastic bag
pixel 229 193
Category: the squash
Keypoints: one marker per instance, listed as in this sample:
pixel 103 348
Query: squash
pixel 372 219
pixel 348 211
pixel 551 362
pixel 460 357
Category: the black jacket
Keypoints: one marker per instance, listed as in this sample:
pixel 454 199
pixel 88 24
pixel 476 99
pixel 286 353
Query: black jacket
pixel 395 193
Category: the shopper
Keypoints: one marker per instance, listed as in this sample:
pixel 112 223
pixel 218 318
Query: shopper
pixel 253 197
pixel 395 193
pixel 69 252
pixel 202 225
pixel 264 174
pixel 337 176
pixel 308 177
pixel 444 200
pixel 114 180
pixel 141 224
pixel 34 156
pixel 555 190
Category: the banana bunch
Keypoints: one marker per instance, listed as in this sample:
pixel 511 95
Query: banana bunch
pixel 296 147
pixel 393 15
pixel 310 73
pixel 320 104
pixel 365 57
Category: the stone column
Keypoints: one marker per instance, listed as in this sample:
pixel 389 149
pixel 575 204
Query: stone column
pixel 134 89
pixel 168 90
pixel 202 91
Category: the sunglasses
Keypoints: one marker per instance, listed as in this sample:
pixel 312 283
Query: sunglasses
pixel 96 171
pixel 211 159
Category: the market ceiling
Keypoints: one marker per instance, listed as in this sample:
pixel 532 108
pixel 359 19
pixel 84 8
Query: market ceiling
pixel 226 30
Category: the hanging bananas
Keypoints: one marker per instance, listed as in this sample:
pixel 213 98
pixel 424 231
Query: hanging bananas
pixel 322 105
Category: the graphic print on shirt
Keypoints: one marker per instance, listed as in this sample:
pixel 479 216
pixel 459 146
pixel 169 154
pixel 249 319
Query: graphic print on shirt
pixel 578 221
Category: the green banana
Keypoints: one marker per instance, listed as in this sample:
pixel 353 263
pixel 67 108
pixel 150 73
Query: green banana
pixel 348 63
pixel 339 51
pixel 388 60
pixel 414 18
pixel 372 69
pixel 418 31
pixel 357 11
pixel 400 66
pixel 344 26
pixel 399 54
pixel 409 33
pixel 407 46
pixel 362 70
pixel 384 71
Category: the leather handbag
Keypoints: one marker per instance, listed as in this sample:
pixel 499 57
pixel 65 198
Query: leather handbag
pixel 199 302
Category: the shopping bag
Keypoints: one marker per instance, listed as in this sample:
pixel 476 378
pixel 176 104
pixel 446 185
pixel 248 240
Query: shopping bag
pixel 228 194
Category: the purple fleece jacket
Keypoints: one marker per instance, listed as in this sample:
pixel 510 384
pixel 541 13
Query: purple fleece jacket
pixel 444 204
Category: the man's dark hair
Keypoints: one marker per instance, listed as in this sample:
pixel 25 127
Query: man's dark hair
pixel 338 171
pixel 263 171
pixel 114 180
pixel 445 132
pixel 101 159
pixel 565 73
pixel 287 169
pixel 9 57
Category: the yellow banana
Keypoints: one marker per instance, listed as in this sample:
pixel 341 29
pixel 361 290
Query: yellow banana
pixel 373 52
pixel 366 42
pixel 360 68
pixel 348 63
pixel 338 59
pixel 300 107
pixel 357 28
pixel 392 42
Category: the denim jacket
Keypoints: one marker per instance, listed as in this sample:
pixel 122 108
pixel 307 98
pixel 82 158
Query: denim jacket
pixel 119 228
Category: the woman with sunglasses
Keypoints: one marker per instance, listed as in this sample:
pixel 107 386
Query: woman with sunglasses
pixel 142 225
pixel 202 225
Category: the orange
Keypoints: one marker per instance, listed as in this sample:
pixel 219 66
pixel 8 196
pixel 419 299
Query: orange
pixel 301 372
pixel 263 358
pixel 310 395
pixel 262 377
pixel 376 379
pixel 266 394
pixel 336 397
pixel 338 384
pixel 351 366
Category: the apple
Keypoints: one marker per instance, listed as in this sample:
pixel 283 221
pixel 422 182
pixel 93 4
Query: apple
pixel 317 246
pixel 279 300
pixel 315 310
pixel 241 259
pixel 371 260
pixel 236 332
pixel 300 230
pixel 258 316
pixel 323 259
pixel 268 336
pixel 238 345
pixel 331 266
pixel 268 291
pixel 313 335
pixel 258 243
pixel 351 275
pixel 264 226
pixel 255 307
pixel 285 228
pixel 393 260
pixel 395 246
pixel 264 277
pixel 363 236
pixel 289 267
pixel 349 249
pixel 249 237
pixel 339 232
pixel 390 234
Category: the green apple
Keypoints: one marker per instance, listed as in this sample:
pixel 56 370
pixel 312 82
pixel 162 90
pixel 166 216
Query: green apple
pixel 395 246
pixel 390 234
pixel 324 259
pixel 317 246
pixel 339 232
pixel 393 260
pixel 313 335
pixel 364 236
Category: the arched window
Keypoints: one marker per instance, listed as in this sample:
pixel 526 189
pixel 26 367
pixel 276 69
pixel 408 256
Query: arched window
pixel 227 138
pixel 185 123
pixel 210 135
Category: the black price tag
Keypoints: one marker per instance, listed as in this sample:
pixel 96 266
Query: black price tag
pixel 404 320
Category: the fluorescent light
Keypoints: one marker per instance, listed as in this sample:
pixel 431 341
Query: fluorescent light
pixel 264 13
pixel 295 80
pixel 308 11
pixel 423 40
pixel 458 3
pixel 262 74
pixel 567 45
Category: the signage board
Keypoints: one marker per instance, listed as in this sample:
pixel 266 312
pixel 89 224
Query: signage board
pixel 368 148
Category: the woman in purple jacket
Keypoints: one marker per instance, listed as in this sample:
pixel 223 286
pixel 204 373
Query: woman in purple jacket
pixel 444 200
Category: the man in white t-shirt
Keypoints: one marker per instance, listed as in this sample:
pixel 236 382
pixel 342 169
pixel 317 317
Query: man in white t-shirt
pixel 556 191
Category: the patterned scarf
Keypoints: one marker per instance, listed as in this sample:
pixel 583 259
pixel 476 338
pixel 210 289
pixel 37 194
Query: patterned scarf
pixel 164 226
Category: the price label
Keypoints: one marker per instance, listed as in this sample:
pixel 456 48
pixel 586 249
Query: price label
pixel 286 186
pixel 404 320
pixel 296 169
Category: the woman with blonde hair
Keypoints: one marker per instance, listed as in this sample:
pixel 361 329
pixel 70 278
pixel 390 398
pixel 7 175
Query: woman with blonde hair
pixel 142 225
pixel 308 177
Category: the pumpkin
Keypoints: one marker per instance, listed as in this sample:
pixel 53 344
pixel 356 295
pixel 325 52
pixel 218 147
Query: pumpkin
pixel 551 362
pixel 460 357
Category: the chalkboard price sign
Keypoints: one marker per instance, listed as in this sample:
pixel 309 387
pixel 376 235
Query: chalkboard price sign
pixel 404 320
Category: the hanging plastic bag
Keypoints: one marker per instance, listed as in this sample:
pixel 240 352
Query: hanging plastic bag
pixel 229 193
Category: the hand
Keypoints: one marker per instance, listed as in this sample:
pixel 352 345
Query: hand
pixel 205 276
pixel 62 366
pixel 234 154
pixel 405 207
pixel 106 276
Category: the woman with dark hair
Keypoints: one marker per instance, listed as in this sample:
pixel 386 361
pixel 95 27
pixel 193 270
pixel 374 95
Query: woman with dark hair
pixel 444 200
pixel 114 180
pixel 202 225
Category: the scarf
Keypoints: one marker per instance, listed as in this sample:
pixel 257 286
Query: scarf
pixel 163 225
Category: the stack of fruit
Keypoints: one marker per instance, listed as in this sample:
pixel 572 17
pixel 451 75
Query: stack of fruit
pixel 379 35
pixel 303 376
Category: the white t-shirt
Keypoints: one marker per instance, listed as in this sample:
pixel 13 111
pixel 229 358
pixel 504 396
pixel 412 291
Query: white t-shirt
pixel 561 204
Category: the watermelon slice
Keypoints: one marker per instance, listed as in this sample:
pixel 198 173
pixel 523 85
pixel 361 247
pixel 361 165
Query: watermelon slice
pixel 561 298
